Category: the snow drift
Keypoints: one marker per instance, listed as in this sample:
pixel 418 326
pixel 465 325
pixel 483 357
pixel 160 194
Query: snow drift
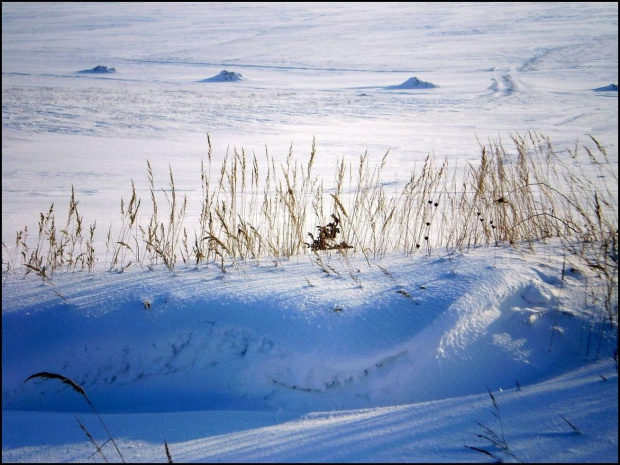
pixel 609 88
pixel 413 83
pixel 309 342
pixel 226 76
pixel 99 69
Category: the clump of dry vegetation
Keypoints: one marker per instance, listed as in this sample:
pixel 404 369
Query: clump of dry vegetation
pixel 255 208
pixel 327 237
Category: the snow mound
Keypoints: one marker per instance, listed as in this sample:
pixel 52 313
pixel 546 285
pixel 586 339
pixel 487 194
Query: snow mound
pixel 609 88
pixel 302 343
pixel 225 76
pixel 99 69
pixel 413 83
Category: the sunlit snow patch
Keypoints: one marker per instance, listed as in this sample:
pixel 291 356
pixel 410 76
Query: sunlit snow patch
pixel 99 69
pixel 609 88
pixel 413 83
pixel 225 76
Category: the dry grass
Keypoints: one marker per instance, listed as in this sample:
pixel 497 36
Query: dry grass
pixel 496 438
pixel 257 208
pixel 77 388
pixel 168 456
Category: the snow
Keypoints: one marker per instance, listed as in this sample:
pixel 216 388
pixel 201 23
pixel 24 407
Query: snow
pixel 225 76
pixel 99 69
pixel 388 358
pixel 609 88
pixel 412 83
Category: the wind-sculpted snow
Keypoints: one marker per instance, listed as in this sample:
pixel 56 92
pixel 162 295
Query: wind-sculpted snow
pixel 412 83
pixel 226 76
pixel 311 342
pixel 99 69
pixel 609 88
pixel 396 359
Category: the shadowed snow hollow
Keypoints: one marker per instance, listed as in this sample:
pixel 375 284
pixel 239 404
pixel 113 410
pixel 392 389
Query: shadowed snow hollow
pixel 391 336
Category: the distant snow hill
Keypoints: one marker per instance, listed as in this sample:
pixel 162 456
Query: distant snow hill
pixel 99 69
pixel 225 76
pixel 413 83
pixel 609 88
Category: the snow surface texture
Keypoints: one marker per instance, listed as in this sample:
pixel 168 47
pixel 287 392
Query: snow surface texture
pixel 399 359
pixel 402 359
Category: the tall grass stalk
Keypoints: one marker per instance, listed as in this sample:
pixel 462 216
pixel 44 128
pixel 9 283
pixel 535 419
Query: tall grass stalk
pixel 77 388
